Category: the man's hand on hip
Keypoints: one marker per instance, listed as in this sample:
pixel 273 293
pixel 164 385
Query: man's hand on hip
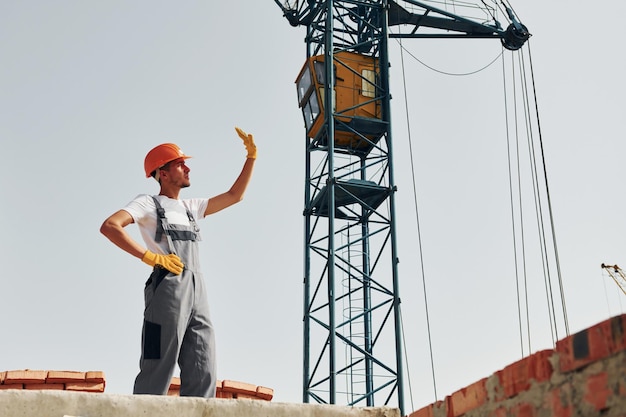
pixel 170 262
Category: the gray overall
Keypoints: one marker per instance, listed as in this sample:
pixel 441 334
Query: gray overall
pixel 177 325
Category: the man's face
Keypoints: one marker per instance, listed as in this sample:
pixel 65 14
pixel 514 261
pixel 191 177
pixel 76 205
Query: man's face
pixel 176 173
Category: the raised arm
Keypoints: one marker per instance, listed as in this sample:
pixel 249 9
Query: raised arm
pixel 236 192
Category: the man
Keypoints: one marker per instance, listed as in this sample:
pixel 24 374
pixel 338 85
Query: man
pixel 177 326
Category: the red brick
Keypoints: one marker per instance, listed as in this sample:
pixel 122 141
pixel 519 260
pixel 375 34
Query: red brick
pixel 246 396
pixel 218 388
pixel 44 386
pixel 423 412
pixel 25 377
pixel 85 386
pixel 558 402
pixel 175 383
pixel 499 412
pixel 468 398
pixel 224 394
pixel 597 392
pixel 265 393
pixel 12 386
pixel 95 376
pixel 65 376
pixel 238 387
pixel 523 410
pixel 617 333
pixel 592 344
pixel 517 377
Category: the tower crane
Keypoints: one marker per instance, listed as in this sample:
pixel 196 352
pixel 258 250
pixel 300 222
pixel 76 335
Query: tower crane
pixel 352 325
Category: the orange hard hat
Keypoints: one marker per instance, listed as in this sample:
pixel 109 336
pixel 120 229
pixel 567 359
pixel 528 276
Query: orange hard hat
pixel 161 155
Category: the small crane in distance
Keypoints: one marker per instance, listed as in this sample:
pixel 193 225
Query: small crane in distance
pixel 617 274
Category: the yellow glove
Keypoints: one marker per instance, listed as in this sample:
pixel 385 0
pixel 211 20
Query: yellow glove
pixel 170 262
pixel 248 142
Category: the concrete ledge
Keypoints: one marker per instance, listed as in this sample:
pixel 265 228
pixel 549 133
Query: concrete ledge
pixel 24 403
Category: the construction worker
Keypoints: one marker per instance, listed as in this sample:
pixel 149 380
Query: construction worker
pixel 177 326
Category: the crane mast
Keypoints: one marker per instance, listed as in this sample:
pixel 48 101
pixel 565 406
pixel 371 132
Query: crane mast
pixel 352 326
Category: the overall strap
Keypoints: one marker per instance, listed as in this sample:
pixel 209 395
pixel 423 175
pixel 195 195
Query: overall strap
pixel 162 225
pixel 193 224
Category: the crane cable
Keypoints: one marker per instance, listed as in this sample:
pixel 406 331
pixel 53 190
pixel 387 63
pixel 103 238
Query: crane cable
pixel 512 204
pixel 416 205
pixel 430 347
pixel 454 74
pixel 419 239
pixel 549 200
pixel 538 210
pixel 538 204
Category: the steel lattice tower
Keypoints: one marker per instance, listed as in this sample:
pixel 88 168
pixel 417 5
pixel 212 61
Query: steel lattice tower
pixel 352 350
pixel 352 329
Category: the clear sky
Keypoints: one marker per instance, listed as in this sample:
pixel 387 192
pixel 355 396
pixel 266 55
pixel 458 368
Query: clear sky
pixel 88 87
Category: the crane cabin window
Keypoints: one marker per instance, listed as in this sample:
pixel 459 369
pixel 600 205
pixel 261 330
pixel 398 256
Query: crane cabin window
pixel 304 84
pixel 368 86
pixel 310 111
pixel 319 72
pixel 323 98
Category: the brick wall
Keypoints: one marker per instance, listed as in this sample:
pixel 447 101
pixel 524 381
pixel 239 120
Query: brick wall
pixel 232 389
pixel 585 375
pixel 94 381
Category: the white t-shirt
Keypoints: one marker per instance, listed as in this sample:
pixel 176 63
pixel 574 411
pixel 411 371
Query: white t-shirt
pixel 143 211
